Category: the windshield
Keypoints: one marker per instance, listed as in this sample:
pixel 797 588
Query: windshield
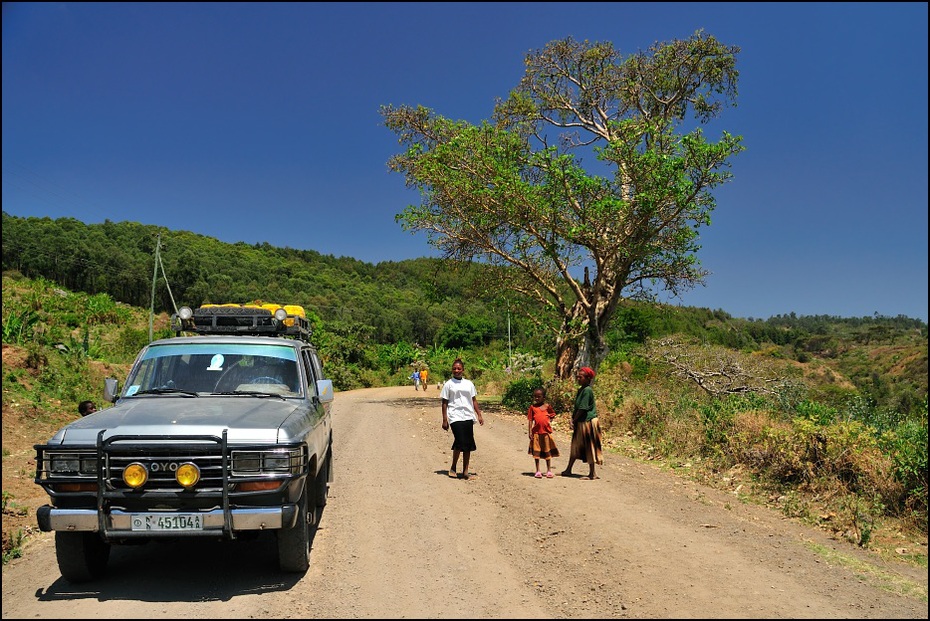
pixel 215 368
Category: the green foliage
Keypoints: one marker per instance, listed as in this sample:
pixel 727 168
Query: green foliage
pixel 439 361
pixel 631 326
pixel 12 548
pixel 519 393
pixel 130 341
pixel 17 327
pixel 345 355
pixel 817 413
pixel 717 420
pixel 718 415
pixel 101 308
pixel 466 332
pixel 907 446
pixel 396 356
pixel 15 546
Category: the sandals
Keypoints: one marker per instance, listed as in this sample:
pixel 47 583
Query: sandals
pixel 549 474
pixel 538 475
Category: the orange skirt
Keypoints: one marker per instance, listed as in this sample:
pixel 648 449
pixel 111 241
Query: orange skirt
pixel 542 446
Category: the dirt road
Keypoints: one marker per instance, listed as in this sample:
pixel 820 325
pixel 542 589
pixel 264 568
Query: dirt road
pixel 401 539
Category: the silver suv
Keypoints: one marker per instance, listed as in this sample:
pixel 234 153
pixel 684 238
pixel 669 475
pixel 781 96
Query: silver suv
pixel 222 432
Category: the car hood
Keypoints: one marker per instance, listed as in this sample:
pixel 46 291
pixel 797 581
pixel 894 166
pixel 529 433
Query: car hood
pixel 246 419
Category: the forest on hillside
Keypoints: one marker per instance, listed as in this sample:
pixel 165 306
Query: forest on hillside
pixel 365 314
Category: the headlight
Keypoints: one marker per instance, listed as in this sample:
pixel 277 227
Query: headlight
pixel 65 464
pixel 246 462
pixel 258 463
pixel 187 475
pixel 71 464
pixel 279 462
pixel 88 465
pixel 135 475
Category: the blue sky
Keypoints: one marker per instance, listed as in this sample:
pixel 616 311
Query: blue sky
pixel 259 122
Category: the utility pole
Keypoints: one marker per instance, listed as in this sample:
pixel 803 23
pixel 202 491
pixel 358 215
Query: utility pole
pixel 154 278
pixel 509 347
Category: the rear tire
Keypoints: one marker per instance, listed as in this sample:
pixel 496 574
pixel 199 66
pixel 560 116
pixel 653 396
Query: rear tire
pixel 81 556
pixel 294 542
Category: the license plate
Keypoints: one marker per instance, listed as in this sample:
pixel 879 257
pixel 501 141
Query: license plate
pixel 169 521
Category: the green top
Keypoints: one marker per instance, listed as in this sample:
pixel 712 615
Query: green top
pixel 584 401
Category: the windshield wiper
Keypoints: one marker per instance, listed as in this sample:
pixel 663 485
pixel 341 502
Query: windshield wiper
pixel 251 393
pixel 166 391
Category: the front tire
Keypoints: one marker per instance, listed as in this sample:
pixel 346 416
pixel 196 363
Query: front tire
pixel 294 542
pixel 82 556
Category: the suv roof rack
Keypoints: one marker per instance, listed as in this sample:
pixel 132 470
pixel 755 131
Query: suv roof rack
pixel 243 319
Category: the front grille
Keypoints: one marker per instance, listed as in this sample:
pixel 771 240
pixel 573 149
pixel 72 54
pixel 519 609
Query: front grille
pixel 163 455
pixel 162 463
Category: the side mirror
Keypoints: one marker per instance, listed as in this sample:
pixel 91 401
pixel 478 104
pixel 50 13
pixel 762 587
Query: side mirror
pixel 110 389
pixel 325 389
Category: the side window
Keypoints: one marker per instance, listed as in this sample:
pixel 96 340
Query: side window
pixel 317 365
pixel 310 371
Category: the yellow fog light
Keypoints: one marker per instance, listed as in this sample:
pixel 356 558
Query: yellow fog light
pixel 187 475
pixel 135 475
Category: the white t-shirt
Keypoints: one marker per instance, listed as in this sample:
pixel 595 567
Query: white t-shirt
pixel 459 393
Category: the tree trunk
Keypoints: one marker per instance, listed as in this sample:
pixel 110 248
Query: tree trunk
pixel 593 349
pixel 574 351
pixel 565 352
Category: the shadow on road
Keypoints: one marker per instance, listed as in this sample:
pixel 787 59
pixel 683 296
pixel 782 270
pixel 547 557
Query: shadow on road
pixel 183 571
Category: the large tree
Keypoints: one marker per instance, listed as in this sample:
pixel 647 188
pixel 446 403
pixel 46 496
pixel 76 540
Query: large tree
pixel 511 196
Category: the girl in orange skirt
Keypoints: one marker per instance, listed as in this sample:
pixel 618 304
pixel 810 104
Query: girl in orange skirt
pixel 542 446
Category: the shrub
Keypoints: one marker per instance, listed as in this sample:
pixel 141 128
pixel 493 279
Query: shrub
pixel 907 446
pixel 130 341
pixel 519 393
pixel 768 447
pixel 817 412
pixel 19 326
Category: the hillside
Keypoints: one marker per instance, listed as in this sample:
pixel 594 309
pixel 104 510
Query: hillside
pixel 59 344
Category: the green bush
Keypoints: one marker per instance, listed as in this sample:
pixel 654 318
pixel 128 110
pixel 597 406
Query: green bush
pixel 466 332
pixel 816 412
pixel 130 341
pixel 519 393
pixel 907 446
pixel 18 326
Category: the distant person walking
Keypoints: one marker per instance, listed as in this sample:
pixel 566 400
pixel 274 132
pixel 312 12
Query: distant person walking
pixel 86 407
pixel 459 412
pixel 416 380
pixel 586 430
pixel 424 378
pixel 542 445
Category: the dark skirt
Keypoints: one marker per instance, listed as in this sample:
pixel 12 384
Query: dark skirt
pixel 586 442
pixel 542 446
pixel 464 433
